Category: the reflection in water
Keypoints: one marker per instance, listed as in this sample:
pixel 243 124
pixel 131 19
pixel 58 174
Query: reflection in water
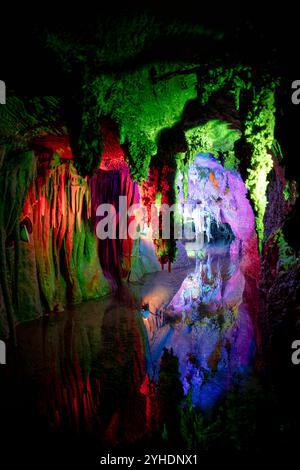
pixel 208 327
pixel 81 372
pixel 94 371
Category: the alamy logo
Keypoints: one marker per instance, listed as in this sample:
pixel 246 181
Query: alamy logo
pixel 2 92
pixel 165 222
pixel 296 353
pixel 2 352
pixel 296 94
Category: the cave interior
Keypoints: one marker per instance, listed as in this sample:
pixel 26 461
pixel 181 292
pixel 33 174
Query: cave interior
pixel 139 340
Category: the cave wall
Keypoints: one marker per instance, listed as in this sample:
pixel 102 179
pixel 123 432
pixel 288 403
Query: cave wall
pixel 17 171
pixel 58 206
pixel 280 273
pixel 52 254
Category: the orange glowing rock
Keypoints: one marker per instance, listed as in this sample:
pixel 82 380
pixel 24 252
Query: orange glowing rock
pixel 213 180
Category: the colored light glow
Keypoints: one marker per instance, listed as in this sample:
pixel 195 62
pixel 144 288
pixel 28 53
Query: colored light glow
pixel 158 200
pixel 217 195
pixel 209 309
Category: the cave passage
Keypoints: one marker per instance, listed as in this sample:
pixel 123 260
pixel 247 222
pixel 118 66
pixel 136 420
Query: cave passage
pixel 83 370
pixel 205 312
pixel 181 336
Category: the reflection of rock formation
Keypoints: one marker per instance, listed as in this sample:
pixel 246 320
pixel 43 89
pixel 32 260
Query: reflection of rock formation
pixel 158 290
pixel 87 371
pixel 209 327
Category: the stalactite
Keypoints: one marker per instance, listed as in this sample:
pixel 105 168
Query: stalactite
pixel 106 187
pixel 149 190
pixel 55 203
pixel 160 181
